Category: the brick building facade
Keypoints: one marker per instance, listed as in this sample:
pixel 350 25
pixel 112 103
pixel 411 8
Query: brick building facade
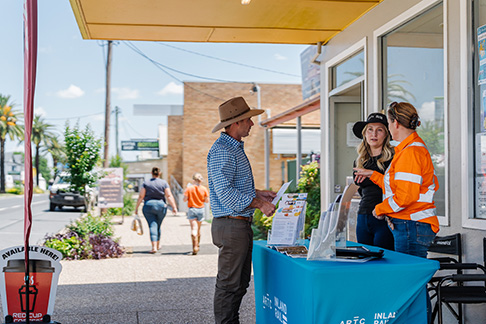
pixel 190 136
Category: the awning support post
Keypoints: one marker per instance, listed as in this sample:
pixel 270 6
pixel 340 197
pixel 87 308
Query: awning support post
pixel 299 149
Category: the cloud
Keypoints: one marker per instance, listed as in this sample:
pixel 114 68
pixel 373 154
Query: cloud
pixel 39 111
pixel 98 117
pixel 46 49
pixel 280 57
pixel 71 92
pixel 171 88
pixel 427 111
pixel 126 93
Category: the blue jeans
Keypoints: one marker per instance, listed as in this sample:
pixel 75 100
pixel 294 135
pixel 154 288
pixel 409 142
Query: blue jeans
pixel 412 237
pixel 195 213
pixel 372 231
pixel 154 212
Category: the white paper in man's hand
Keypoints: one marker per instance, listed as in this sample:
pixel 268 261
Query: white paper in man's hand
pixel 280 192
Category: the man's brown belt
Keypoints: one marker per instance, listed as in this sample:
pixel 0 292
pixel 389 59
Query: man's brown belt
pixel 247 219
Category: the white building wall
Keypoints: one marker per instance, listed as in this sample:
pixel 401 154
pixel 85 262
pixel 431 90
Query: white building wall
pixel 460 176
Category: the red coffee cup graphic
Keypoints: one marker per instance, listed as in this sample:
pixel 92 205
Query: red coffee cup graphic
pixel 40 273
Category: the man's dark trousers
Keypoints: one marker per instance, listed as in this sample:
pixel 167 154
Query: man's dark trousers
pixel 234 238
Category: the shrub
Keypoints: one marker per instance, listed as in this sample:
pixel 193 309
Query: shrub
pixel 38 190
pixel 310 182
pixel 83 152
pixel 71 245
pixel 87 238
pixel 104 247
pixel 15 191
pixel 261 225
pixel 92 225
pixel 128 207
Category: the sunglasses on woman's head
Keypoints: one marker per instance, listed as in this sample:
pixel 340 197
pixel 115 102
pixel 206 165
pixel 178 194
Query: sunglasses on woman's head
pixel 392 110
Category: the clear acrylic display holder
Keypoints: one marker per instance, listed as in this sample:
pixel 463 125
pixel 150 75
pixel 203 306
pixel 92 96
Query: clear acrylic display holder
pixel 332 229
pixel 323 238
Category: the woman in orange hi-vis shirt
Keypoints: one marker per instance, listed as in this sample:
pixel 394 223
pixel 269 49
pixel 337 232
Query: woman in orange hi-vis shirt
pixel 196 195
pixel 408 185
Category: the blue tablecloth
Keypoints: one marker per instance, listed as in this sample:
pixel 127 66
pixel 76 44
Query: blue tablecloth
pixel 297 291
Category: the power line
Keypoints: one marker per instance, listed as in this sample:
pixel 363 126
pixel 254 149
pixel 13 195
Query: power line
pixel 127 131
pixel 128 123
pixel 74 117
pixel 169 74
pixel 137 50
pixel 228 61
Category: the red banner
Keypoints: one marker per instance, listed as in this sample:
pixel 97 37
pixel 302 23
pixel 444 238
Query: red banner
pixel 30 67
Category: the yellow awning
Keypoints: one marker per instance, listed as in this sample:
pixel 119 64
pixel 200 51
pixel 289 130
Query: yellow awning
pixel 226 21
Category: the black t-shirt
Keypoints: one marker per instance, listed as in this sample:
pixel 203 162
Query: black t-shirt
pixel 371 194
pixel 155 189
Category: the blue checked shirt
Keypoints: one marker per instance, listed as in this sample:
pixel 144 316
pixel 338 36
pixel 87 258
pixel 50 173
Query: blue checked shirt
pixel 230 179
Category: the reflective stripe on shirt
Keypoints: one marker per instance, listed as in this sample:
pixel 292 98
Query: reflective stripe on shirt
pixel 405 176
pixel 394 205
pixel 423 214
pixel 428 197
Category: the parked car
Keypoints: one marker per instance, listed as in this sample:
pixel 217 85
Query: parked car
pixel 61 196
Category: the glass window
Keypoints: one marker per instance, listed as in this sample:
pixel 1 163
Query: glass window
pixel 479 107
pixel 348 70
pixel 413 71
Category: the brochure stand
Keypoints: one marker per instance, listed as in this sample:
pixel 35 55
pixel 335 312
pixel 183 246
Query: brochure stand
pixel 332 229
pixel 288 223
pixel 323 238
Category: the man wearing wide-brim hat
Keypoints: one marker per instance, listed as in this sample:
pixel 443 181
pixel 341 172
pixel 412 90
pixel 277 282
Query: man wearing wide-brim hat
pixel 233 200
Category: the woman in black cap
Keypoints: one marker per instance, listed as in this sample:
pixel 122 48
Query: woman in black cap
pixel 374 153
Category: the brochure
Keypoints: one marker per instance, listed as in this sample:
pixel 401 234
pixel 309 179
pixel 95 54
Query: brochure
pixel 288 220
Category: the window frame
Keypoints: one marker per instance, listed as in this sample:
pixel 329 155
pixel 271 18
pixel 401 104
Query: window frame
pixel 467 99
pixel 327 93
pixel 403 18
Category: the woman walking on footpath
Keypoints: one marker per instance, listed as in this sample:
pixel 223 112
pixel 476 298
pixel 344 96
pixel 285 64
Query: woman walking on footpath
pixel 155 193
pixel 374 153
pixel 196 195
pixel 409 185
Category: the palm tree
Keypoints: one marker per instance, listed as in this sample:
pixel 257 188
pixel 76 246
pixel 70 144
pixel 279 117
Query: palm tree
pixel 8 126
pixel 56 150
pixel 396 86
pixel 41 134
pixel 396 89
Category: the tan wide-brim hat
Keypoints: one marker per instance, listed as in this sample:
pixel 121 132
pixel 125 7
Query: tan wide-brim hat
pixel 234 110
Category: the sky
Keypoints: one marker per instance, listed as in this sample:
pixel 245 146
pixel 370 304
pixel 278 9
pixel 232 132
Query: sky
pixel 71 72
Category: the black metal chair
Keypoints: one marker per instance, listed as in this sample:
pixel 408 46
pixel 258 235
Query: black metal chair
pixel 461 288
pixel 451 246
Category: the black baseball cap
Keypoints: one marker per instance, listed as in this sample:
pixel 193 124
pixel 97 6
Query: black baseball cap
pixel 372 118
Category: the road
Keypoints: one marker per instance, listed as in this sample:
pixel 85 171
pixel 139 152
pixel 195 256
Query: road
pixel 43 221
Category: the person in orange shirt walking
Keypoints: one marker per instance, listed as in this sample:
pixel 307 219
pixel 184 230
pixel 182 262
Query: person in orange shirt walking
pixel 196 195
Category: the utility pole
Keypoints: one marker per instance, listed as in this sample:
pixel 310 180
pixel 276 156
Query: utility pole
pixel 256 88
pixel 107 107
pixel 117 112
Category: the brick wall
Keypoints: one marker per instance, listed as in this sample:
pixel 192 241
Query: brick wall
pixel 187 153
pixel 176 145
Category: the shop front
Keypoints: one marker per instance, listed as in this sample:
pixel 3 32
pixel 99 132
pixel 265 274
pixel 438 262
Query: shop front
pixel 427 53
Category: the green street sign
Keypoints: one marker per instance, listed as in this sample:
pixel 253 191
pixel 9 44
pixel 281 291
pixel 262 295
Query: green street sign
pixel 140 145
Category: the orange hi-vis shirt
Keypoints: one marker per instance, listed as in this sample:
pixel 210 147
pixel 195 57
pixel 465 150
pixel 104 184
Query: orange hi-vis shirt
pixel 196 196
pixel 409 184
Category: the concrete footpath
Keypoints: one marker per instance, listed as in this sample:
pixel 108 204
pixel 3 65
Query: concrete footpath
pixel 171 286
